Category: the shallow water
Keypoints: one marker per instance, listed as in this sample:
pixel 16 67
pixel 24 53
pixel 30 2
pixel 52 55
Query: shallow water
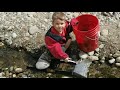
pixel 26 60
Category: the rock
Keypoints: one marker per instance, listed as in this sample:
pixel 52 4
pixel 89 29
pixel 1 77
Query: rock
pixel 98 33
pixel 11 27
pixel 118 59
pixel 43 26
pixel 75 14
pixel 103 58
pixel 33 30
pixel 27 34
pixel 1 74
pixel 102 61
pixel 118 25
pixel 117 54
pixel 117 64
pixel 97 50
pixel 93 58
pixel 50 15
pixel 69 16
pixel 10 74
pixel 3 77
pixel 111 61
pixel 9 41
pixel 46 20
pixel 26 38
pixel 1 37
pixel 18 70
pixel 24 76
pixel 14 75
pixel 104 32
pixel 6 69
pixel 7 73
pixel 102 39
pixel 110 55
pixel 11 68
pixel 14 35
pixel 49 74
pixel 83 55
pixel 105 13
pixel 91 53
pixel 96 54
pixel 65 77
pixel 1 44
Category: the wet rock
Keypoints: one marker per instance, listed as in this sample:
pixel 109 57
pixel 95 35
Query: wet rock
pixel 3 77
pixel 102 61
pixel 18 70
pixel 14 75
pixel 49 74
pixel 1 74
pixel 110 56
pixel 10 74
pixel 117 64
pixel 24 76
pixel 7 73
pixel 118 59
pixel 11 69
pixel 111 61
pixel 103 58
pixel 65 77
pixel 117 54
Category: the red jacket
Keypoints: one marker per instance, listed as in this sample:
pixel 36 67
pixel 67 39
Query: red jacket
pixel 55 46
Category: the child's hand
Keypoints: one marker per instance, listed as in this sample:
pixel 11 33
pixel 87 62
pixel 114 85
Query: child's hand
pixel 69 60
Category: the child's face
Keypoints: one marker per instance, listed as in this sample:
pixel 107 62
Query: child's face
pixel 59 25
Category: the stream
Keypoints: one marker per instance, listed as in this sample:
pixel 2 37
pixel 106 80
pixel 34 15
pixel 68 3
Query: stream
pixel 19 58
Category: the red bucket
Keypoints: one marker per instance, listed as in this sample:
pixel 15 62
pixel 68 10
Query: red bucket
pixel 86 28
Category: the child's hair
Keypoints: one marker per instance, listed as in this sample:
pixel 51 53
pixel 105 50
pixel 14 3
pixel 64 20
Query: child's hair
pixel 58 15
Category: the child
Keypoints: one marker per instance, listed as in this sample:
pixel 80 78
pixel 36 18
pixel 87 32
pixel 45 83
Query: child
pixel 57 41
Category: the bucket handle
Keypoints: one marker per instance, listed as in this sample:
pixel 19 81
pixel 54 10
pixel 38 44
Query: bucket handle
pixel 93 39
